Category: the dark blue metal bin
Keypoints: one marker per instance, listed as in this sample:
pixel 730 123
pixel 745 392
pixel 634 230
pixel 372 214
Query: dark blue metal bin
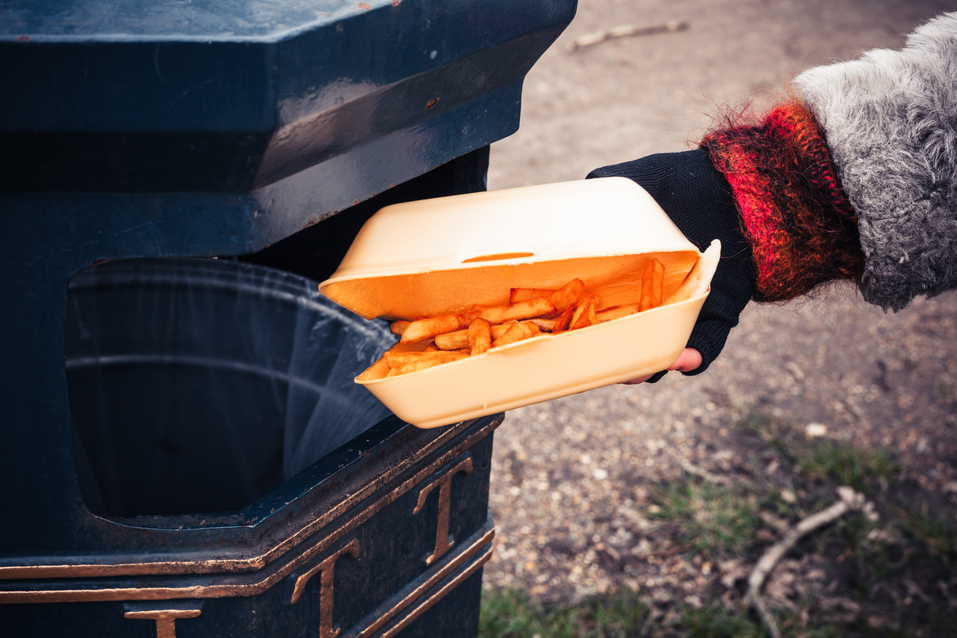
pixel 225 153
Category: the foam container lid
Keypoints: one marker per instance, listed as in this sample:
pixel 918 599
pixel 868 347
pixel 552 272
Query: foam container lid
pixel 442 255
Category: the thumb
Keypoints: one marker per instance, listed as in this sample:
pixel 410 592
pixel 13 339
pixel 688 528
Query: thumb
pixel 689 360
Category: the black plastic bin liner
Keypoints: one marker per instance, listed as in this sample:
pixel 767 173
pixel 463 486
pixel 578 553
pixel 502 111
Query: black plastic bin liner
pixel 199 385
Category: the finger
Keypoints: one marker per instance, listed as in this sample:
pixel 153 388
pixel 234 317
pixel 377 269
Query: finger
pixel 689 359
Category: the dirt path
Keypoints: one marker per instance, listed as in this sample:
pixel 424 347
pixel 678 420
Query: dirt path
pixel 570 477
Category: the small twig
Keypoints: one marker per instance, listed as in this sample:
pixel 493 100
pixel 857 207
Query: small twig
pixel 850 500
pixel 717 479
pixel 691 468
pixel 766 617
pixel 624 31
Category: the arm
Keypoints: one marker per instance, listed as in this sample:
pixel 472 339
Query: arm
pixel 890 120
pixel 853 177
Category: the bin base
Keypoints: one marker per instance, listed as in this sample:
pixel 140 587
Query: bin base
pixel 385 537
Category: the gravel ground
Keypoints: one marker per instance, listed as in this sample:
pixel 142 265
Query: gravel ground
pixel 569 476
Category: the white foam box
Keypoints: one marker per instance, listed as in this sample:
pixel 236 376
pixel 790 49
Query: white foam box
pixel 443 255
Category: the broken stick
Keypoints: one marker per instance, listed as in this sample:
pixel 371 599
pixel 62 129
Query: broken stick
pixel 624 31
pixel 850 501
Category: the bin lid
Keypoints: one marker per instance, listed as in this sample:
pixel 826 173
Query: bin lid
pixel 162 95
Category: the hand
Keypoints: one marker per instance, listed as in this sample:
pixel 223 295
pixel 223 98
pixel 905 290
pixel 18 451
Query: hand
pixel 688 361
pixel 698 200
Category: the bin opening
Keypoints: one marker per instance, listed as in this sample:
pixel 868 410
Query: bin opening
pixel 200 385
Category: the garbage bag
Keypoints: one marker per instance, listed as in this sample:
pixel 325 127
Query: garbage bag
pixel 199 385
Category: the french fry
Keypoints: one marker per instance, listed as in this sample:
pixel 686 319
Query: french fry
pixel 518 331
pixel 479 336
pixel 396 358
pixel 459 339
pixel 652 286
pixel 516 295
pixel 413 366
pixel 563 321
pixel 516 312
pixel 514 332
pixel 453 340
pixel 422 329
pixel 381 367
pixel 500 329
pixel 584 315
pixel 426 342
pixel 567 295
pixel 561 298
pixel 616 312
pixel 377 370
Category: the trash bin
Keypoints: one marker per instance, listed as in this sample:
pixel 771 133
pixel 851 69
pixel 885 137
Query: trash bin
pixel 225 132
pixel 214 399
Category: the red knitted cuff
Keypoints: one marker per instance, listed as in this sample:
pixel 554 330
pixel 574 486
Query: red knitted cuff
pixel 801 226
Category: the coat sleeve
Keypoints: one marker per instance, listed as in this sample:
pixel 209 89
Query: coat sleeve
pixel 889 119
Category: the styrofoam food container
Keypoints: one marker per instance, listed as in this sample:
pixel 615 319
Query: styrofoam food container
pixel 441 255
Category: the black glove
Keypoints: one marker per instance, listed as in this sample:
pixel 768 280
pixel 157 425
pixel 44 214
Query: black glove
pixel 698 200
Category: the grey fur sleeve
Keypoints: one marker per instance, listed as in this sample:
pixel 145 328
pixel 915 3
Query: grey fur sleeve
pixel 890 120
